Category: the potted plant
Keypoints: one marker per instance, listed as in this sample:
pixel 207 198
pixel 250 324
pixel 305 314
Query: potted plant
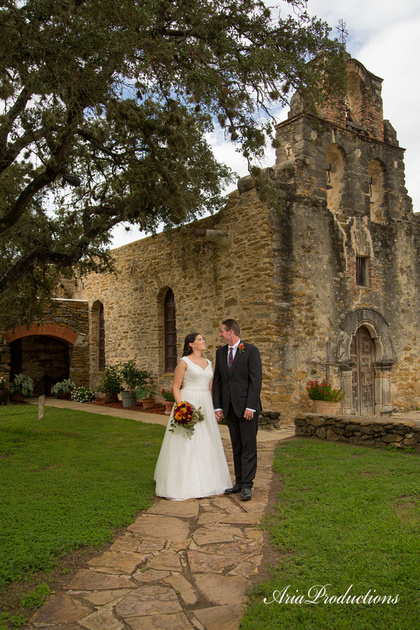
pixel 4 391
pixel 146 397
pixel 63 388
pixel 133 378
pixel 326 399
pixel 112 383
pixel 169 398
pixel 21 387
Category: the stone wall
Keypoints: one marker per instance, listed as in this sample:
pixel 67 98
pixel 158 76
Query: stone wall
pixel 363 431
pixel 210 281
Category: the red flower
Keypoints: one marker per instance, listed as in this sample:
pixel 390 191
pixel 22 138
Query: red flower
pixel 185 415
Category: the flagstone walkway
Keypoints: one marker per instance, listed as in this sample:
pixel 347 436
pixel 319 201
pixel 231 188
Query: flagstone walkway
pixel 180 565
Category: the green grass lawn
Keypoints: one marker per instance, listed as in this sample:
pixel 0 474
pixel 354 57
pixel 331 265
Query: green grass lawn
pixel 68 481
pixel 347 517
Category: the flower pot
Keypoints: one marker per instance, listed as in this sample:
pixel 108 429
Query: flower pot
pixel 326 407
pixel 17 397
pixel 147 403
pixel 129 399
pixel 110 398
pixel 4 395
pixel 168 407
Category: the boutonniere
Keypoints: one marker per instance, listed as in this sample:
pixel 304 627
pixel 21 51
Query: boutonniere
pixel 241 348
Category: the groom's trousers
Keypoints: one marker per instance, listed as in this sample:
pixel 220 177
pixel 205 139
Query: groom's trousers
pixel 243 435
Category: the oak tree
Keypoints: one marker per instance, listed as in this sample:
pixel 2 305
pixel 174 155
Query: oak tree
pixel 105 109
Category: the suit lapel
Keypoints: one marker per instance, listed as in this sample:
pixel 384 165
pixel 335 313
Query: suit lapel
pixel 237 357
pixel 225 350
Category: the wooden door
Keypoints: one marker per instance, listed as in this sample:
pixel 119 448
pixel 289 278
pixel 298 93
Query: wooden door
pixel 362 352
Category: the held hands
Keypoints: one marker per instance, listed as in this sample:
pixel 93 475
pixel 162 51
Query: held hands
pixel 219 415
pixel 248 415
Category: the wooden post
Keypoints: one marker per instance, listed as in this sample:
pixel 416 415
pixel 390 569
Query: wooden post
pixel 41 407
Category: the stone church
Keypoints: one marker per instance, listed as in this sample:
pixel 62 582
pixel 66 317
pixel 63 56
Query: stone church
pixel 326 282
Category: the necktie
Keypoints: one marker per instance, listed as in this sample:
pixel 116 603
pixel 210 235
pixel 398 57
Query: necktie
pixel 230 359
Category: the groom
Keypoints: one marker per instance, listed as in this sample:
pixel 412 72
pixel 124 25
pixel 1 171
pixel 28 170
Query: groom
pixel 236 397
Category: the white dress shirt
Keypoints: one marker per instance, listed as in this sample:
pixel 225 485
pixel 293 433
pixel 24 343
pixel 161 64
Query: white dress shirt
pixel 234 349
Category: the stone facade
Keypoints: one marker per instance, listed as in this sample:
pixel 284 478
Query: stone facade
pixel 226 272
pixel 350 204
pixel 325 282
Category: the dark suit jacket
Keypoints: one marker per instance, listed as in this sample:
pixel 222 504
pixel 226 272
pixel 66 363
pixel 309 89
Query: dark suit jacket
pixel 241 386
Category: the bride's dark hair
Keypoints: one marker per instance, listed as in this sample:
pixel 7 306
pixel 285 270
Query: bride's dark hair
pixel 189 339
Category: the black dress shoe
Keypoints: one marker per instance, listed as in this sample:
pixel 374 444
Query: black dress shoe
pixel 246 494
pixel 236 488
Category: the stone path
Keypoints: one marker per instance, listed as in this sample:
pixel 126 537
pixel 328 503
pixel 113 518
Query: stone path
pixel 180 565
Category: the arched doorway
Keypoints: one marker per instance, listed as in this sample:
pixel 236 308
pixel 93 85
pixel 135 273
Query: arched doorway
pixel 362 354
pixel 43 358
pixel 365 355
pixel 42 351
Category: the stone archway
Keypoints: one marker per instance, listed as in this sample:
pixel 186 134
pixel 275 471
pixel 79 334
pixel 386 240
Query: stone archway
pixel 371 324
pixel 62 333
pixel 43 352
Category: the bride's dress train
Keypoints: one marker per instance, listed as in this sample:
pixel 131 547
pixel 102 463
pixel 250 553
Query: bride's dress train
pixel 196 467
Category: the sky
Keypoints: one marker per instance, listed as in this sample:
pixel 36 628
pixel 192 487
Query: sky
pixel 385 37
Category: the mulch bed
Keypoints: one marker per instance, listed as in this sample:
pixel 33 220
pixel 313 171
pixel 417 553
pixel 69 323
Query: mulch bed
pixel 158 408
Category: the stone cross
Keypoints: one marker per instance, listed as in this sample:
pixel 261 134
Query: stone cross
pixel 341 28
pixel 328 363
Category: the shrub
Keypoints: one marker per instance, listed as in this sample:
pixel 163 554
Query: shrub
pixel 112 380
pixel 133 376
pixel 83 394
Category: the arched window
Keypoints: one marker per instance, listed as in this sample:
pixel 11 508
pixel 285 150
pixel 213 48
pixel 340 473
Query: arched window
pixel 376 174
pixel 101 338
pixel 334 173
pixel 355 99
pixel 170 331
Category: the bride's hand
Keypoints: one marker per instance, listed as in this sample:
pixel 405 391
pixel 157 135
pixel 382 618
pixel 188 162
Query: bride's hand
pixel 219 415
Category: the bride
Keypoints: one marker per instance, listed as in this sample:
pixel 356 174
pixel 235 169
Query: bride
pixel 193 467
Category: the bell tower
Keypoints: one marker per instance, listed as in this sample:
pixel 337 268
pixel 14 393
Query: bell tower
pixel 351 230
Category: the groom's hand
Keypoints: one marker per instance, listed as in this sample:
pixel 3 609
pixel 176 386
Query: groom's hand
pixel 219 415
pixel 249 414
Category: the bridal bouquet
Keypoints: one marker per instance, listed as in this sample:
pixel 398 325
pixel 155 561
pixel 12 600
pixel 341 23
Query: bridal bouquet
pixel 185 415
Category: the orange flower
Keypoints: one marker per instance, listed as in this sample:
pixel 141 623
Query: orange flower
pixel 185 415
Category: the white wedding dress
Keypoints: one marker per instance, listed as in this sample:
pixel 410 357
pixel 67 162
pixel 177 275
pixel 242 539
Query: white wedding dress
pixel 193 467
